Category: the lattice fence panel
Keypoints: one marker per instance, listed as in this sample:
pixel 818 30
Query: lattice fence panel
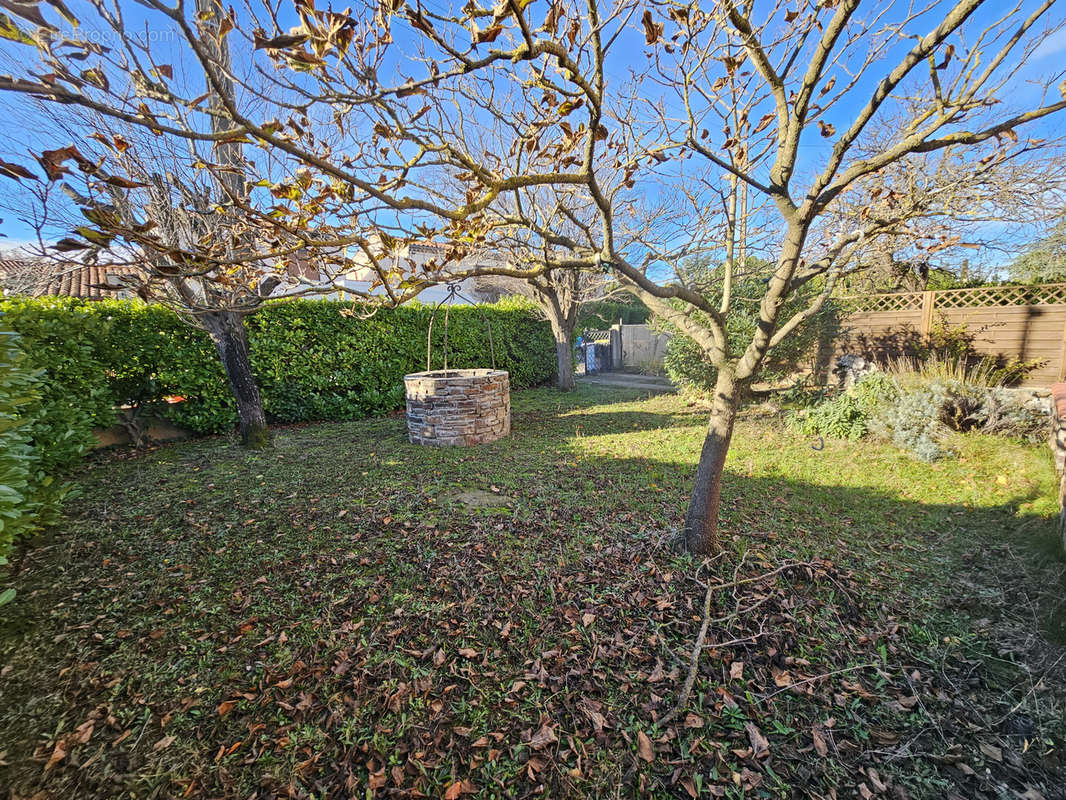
pixel 991 296
pixel 864 303
pixel 1049 294
pixel 597 336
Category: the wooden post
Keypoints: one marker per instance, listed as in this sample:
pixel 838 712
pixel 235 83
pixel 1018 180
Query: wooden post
pixel 928 301
pixel 1062 357
pixel 1058 448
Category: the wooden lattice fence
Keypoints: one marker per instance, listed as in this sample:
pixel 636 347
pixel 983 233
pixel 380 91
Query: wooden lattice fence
pixel 1012 322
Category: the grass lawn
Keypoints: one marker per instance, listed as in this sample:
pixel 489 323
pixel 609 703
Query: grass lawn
pixel 331 619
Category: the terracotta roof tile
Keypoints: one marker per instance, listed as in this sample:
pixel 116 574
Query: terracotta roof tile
pixel 86 282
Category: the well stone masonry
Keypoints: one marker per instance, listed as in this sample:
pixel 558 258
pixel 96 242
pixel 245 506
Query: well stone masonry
pixel 458 406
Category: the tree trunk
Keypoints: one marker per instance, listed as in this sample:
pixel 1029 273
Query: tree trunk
pixel 564 355
pixel 700 535
pixel 227 331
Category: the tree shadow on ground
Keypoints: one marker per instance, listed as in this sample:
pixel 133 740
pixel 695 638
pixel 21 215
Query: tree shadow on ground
pixel 326 607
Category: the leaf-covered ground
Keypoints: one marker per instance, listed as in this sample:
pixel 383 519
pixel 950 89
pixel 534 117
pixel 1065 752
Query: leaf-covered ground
pixel 330 619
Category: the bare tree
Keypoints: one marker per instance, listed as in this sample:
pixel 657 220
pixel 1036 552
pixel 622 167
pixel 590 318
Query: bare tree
pixel 560 294
pixel 785 105
pixel 23 273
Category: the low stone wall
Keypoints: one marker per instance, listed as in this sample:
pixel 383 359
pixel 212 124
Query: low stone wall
pixel 458 406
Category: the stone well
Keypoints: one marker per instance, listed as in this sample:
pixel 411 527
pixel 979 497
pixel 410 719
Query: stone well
pixel 458 406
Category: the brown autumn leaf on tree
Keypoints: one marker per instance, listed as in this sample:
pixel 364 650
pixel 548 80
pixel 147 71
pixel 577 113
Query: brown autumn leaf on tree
pixel 652 29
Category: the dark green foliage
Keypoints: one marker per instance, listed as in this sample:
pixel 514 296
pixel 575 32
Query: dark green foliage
pixel 689 367
pixel 28 495
pixel 314 360
pixel 18 397
pixel 68 340
pixel 602 314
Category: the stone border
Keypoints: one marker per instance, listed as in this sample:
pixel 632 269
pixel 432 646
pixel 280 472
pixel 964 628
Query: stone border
pixel 458 407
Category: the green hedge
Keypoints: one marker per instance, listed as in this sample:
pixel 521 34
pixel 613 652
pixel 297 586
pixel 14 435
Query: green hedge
pixel 28 495
pixel 602 314
pixel 68 341
pixel 314 360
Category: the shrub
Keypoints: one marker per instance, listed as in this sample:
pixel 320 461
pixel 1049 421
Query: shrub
pixel 65 340
pixel 28 495
pixel 913 421
pixel 314 360
pixel 602 314
pixel 688 366
pixel 848 414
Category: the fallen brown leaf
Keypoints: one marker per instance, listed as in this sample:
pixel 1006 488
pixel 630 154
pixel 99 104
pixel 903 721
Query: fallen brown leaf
pixel 58 754
pixel 820 745
pixel 544 737
pixel 760 745
pixel 990 750
pixel 644 747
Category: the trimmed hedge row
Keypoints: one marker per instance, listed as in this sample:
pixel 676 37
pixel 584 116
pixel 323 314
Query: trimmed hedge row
pixel 314 360
pixel 29 497
pixel 602 314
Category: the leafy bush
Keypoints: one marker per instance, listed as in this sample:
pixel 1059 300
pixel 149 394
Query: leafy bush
pixel 66 339
pixel 602 314
pixel 28 495
pixel 916 413
pixel 315 363
pixel 688 366
pixel 313 360
pixel 913 421
pixel 848 414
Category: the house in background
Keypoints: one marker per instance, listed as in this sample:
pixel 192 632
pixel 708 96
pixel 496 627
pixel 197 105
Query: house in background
pixel 422 259
pixel 42 278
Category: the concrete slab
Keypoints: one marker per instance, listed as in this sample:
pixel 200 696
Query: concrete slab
pixel 625 380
